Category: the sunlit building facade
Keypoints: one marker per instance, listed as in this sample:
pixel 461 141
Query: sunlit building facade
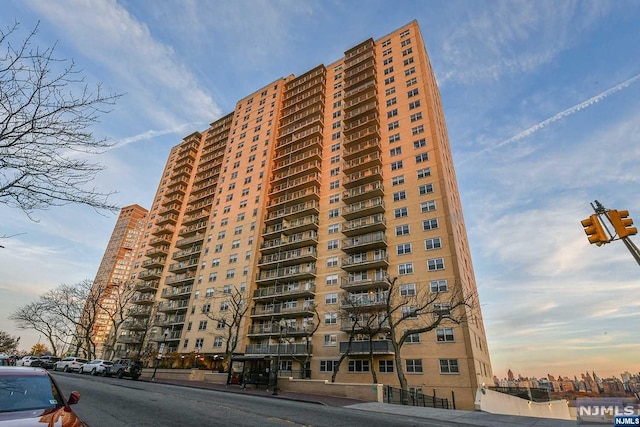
pixel 307 199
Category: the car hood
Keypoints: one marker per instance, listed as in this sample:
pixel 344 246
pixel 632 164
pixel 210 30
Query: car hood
pixel 60 417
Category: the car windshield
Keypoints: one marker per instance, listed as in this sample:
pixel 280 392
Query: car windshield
pixel 25 393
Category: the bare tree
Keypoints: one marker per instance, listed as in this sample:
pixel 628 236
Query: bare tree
pixel 412 309
pixel 309 327
pixel 116 307
pixel 8 343
pixel 36 316
pixel 229 319
pixel 46 111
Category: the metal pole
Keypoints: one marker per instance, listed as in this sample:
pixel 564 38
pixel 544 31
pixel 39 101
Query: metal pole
pixel 275 387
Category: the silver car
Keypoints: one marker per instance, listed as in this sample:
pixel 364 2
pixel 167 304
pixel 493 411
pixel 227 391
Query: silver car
pixel 69 364
pixel 96 367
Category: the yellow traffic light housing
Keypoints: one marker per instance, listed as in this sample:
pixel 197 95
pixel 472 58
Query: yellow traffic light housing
pixel 622 223
pixel 594 230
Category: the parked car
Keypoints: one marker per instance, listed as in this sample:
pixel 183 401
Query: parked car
pixel 30 396
pixel 37 363
pixel 50 362
pixel 25 361
pixel 69 364
pixel 96 367
pixel 125 368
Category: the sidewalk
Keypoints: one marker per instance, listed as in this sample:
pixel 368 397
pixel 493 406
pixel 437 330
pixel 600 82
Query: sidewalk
pixel 448 416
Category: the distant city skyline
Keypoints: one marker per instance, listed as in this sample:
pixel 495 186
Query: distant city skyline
pixel 542 104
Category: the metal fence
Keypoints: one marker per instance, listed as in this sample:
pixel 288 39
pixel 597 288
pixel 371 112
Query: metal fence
pixel 533 394
pixel 398 396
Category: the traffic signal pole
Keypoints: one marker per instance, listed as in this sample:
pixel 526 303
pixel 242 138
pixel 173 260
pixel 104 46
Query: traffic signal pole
pixel 621 224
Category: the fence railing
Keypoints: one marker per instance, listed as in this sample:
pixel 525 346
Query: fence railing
pixel 398 396
pixel 533 394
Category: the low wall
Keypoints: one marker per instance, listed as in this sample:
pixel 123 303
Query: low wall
pixel 175 374
pixel 502 403
pixel 365 392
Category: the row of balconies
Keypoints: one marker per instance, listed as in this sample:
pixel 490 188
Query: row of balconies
pixel 367 64
pixel 366 347
pixel 292 272
pixel 366 323
pixel 299 135
pixel 348 105
pixel 163 229
pixel 365 281
pixel 178 198
pixel 184 265
pixel 192 208
pixel 183 170
pixel 202 195
pixel 364 108
pixel 290 242
pixel 206 174
pixel 170 320
pixel 216 156
pixel 315 99
pixel 173 305
pixel 364 133
pixel 358 58
pixel 281 349
pixel 188 148
pixel 130 339
pixel 135 325
pixel 160 241
pixel 203 186
pixel 303 288
pixel 317 109
pixel 202 215
pixel 374 157
pixel 360 88
pixel 361 192
pixel 320 89
pixel 319 71
pixel 311 178
pixel 290 172
pixel 302 88
pixel 365 301
pixel 357 50
pixel 354 124
pixel 154 262
pixel 304 309
pixel 301 195
pixel 185 161
pixel 293 211
pixel 146 285
pixel 369 75
pixel 173 208
pixel 140 311
pixel 185 231
pixel 306 254
pixel 274 328
pixel 372 144
pixel 365 241
pixel 144 298
pixel 363 261
pixel 155 251
pixel 370 223
pixel 300 147
pixel 150 274
pixel 179 189
pixel 170 218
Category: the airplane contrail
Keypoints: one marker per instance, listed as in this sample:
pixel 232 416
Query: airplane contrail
pixel 561 115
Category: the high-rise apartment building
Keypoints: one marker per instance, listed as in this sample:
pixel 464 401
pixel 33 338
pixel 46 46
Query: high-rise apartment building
pixel 306 200
pixel 116 268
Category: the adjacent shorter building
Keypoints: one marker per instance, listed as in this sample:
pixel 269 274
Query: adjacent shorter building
pixel 295 210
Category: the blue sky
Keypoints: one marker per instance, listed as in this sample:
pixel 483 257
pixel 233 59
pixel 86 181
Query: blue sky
pixel 542 102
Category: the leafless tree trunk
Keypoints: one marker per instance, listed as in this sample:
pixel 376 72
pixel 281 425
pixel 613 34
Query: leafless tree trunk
pixel 310 329
pixel 46 111
pixel 36 316
pixel 116 307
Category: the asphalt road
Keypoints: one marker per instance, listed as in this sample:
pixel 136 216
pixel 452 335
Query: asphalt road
pixel 110 402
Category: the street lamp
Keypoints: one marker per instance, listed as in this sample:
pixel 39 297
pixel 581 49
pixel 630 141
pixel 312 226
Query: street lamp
pixel 165 335
pixel 283 325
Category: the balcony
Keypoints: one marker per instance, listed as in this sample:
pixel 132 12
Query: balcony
pixel 365 261
pixel 284 243
pixel 356 90
pixel 364 225
pixel 296 184
pixel 194 208
pixel 363 177
pixel 155 251
pixel 290 273
pixel 146 286
pixel 290 171
pixel 170 320
pixel 183 266
pixel 365 324
pixel 130 339
pixel 160 241
pixel 283 310
pixel 154 262
pixel 175 190
pixel 174 199
pixel 365 301
pixel 140 311
pixel 362 162
pixel 365 242
pixel 362 192
pixel 180 279
pixel 152 274
pixel 177 292
pixel 173 306
pixel 193 229
pixel 357 100
pixel 302 97
pixel 296 256
pixel 283 350
pixel 366 207
pixel 371 131
pixel 167 219
pixel 300 135
pixel 295 289
pixel 173 208
pixel 186 253
pixel 310 120
pixel 135 325
pixel 144 299
pixel 307 194
pixel 360 283
pixel 368 75
pixel 202 216
pixel 362 66
pixel 362 148
pixel 294 211
pixel 368 120
pixel 291 154
pixel 364 347
pixel 183 243
pixel 273 329
pixel 307 104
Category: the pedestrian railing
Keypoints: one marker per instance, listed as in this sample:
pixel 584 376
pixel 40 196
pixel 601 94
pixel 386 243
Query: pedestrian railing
pixel 398 396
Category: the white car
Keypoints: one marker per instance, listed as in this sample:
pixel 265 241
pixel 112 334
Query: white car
pixel 96 367
pixel 26 361
pixel 69 364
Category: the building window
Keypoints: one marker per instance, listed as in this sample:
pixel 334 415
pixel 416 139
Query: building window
pixel 430 224
pixel 332 261
pixel 334 172
pixel 334 228
pixel 435 264
pixel 334 184
pixel 413 339
pixel 423 173
pixel 428 206
pixel 328 365
pixel 413 105
pixel 412 93
pixel 407 52
pixel 389 80
pixel 224 306
pixel 206 308
pixel 403 248
pixel 415 117
pixel 330 340
pixel 385 366
pixel 410 71
pixel 331 318
pixel 231 273
pixel 334 198
pixel 406 268
pixel 334 213
pixel 437 286
pixel 395 151
pixel 391 101
pixel 425 189
pixel 417 130
pixel 396 165
pixel 388 70
pixel 332 244
pixel 399 195
pixel 335 159
pixel 238 230
pixel 402 230
pixel 397 180
pixel 331 298
pixel 444 335
pixel 422 157
pixel 431 244
pixel 236 244
pixel 217 342
pixel 422 142
pixel 394 138
pixel 409 312
pixel 393 125
pixel 414 366
pixel 449 366
pixel 442 309
pixel 358 365
pixel 407 290
pixel 215 262
pixel 202 325
pixel 331 279
pixel 412 81
pixel 392 113
pixel 400 212
pixel 406 42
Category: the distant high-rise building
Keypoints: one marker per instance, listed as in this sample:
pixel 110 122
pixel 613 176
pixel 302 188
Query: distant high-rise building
pixel 116 268
pixel 300 206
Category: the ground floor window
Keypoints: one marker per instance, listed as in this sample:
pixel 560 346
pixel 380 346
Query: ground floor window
pixel 449 366
pixel 385 366
pixel 414 366
pixel 359 366
pixel 327 365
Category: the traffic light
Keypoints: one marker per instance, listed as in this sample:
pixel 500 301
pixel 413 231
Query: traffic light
pixel 594 230
pixel 621 223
